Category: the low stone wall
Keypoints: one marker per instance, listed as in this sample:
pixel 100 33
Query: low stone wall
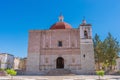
pixel 3 73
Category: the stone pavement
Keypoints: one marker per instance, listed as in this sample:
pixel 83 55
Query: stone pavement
pixel 75 77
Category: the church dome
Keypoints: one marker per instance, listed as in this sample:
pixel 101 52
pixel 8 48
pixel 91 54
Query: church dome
pixel 61 24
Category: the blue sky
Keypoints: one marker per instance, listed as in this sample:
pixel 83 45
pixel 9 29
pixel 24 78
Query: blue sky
pixel 17 17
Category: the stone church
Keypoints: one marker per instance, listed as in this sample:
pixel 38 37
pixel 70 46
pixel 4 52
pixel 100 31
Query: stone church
pixel 61 47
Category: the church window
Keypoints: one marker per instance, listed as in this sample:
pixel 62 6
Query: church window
pixel 84 55
pixel 60 43
pixel 85 34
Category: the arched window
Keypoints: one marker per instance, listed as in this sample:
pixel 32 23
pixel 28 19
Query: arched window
pixel 85 34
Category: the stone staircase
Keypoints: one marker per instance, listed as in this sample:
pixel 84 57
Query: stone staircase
pixel 59 72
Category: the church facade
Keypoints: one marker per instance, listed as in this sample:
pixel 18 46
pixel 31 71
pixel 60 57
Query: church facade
pixel 61 47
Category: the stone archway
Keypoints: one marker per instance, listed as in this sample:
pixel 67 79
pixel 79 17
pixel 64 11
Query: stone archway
pixel 86 34
pixel 59 63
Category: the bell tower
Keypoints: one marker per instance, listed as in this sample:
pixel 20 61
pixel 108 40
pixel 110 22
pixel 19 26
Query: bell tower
pixel 85 30
pixel 86 48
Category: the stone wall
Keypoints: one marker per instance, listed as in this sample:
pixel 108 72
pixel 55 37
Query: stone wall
pixel 71 62
pixel 44 44
pixel 43 50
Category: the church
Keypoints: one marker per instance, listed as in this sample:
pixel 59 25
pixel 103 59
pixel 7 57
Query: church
pixel 61 47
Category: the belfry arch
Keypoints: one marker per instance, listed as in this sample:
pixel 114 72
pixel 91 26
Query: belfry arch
pixel 85 34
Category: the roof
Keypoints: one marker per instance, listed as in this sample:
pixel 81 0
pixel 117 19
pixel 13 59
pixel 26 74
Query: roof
pixel 85 24
pixel 61 25
pixel 6 54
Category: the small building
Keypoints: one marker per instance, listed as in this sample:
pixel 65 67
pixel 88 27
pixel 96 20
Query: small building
pixel 16 63
pixel 118 64
pixel 22 65
pixel 6 60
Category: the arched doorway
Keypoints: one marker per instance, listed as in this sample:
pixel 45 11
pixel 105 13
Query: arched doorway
pixel 60 62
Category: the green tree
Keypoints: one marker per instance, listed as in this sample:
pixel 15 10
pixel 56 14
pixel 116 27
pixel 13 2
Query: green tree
pixel 98 50
pixel 106 51
pixel 111 49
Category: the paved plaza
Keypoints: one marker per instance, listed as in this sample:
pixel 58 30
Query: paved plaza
pixel 76 77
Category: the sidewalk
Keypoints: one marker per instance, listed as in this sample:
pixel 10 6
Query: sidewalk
pixel 76 77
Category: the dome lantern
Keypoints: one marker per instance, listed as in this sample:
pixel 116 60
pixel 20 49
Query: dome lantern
pixel 84 21
pixel 61 18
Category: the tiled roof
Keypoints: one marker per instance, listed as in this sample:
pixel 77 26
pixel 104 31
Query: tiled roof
pixel 61 25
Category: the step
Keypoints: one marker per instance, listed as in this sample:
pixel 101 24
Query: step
pixel 59 72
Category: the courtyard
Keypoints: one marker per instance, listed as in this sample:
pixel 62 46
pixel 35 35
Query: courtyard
pixel 70 77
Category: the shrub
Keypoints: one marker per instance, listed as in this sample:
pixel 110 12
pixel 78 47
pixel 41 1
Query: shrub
pixel 100 73
pixel 11 72
pixel 1 69
pixel 118 72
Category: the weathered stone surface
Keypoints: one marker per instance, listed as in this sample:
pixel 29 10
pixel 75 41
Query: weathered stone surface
pixel 76 51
